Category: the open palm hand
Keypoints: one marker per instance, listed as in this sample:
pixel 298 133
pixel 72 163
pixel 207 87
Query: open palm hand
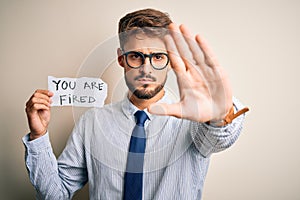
pixel 205 92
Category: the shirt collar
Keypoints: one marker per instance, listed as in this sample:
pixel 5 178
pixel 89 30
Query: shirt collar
pixel 129 109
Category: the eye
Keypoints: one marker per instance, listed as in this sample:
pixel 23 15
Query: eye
pixel 159 56
pixel 134 56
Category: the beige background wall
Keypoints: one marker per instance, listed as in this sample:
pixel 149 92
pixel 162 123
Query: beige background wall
pixel 256 41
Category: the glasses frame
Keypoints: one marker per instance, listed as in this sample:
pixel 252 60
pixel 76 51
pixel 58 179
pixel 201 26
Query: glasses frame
pixel 144 56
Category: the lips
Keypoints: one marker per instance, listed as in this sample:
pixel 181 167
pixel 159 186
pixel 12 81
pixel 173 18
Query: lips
pixel 145 79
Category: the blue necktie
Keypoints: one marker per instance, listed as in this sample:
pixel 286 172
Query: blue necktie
pixel 133 187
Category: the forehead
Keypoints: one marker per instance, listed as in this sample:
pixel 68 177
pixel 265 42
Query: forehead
pixel 142 42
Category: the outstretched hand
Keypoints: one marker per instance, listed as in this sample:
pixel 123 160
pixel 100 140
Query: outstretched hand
pixel 205 92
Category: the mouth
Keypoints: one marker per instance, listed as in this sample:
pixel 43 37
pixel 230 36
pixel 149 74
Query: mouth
pixel 145 79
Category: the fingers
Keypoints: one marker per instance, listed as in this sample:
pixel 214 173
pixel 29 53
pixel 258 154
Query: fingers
pixel 191 50
pixel 36 107
pixel 186 48
pixel 176 62
pixel 209 56
pixel 181 44
pixel 40 100
pixel 197 54
pixel 166 109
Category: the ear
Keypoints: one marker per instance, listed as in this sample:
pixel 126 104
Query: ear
pixel 120 58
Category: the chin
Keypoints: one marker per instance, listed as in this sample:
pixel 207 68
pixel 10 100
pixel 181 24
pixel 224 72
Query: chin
pixel 146 93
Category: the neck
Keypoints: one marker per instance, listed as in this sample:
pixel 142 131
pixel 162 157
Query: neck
pixel 142 104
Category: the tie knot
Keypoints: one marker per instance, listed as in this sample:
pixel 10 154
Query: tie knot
pixel 140 117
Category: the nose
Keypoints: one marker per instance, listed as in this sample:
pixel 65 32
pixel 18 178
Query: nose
pixel 146 67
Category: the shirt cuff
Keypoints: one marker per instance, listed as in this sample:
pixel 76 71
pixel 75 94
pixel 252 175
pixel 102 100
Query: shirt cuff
pixel 37 145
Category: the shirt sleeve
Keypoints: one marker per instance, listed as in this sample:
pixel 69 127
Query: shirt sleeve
pixel 210 139
pixel 52 178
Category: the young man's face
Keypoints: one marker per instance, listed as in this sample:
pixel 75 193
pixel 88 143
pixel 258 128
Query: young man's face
pixel 144 82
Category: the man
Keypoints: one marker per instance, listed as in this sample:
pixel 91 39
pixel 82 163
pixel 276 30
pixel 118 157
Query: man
pixel 144 147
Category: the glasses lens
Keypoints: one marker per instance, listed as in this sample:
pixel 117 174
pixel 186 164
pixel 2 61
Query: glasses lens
pixel 134 59
pixel 159 60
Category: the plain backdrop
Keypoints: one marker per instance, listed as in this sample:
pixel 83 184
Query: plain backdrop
pixel 256 41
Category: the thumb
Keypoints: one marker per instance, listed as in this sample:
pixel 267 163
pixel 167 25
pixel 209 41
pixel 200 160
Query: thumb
pixel 166 109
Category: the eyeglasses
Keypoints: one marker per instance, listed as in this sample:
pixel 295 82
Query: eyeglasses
pixel 135 59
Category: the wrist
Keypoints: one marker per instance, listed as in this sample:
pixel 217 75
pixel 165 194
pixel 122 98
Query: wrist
pixel 33 136
pixel 228 118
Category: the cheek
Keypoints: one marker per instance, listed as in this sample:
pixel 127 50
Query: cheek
pixel 161 76
pixel 130 73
